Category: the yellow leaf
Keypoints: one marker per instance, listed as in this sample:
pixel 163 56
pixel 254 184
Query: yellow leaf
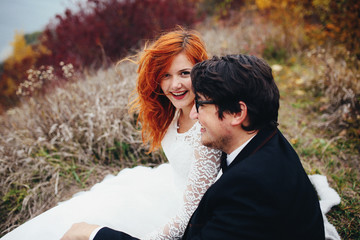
pixel 299 92
pixel 276 67
pixel 299 81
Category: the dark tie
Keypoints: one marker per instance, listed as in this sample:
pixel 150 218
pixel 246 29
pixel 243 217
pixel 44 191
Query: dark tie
pixel 223 163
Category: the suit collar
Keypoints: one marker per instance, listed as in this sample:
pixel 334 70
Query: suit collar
pixel 261 138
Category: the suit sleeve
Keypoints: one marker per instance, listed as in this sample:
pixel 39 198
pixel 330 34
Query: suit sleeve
pixel 111 234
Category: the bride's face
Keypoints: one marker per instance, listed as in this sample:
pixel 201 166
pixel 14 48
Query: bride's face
pixel 176 83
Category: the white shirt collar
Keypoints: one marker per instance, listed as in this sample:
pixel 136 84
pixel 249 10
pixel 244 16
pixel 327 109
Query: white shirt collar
pixel 230 157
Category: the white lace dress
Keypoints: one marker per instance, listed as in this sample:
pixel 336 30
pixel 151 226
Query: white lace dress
pixel 148 203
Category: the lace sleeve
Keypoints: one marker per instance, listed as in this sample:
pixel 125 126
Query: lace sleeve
pixel 202 175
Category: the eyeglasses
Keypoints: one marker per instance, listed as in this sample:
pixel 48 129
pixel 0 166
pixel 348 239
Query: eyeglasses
pixel 199 103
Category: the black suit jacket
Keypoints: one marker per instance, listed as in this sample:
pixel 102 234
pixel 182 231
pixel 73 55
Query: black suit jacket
pixel 263 194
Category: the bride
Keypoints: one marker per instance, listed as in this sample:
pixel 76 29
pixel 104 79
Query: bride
pixel 149 203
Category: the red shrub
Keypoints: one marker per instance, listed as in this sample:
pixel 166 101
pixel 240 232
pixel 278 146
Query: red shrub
pixel 106 30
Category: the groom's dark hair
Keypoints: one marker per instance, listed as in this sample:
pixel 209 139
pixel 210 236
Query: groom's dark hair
pixel 233 78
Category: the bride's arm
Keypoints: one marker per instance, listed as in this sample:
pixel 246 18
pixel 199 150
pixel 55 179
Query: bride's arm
pixel 202 175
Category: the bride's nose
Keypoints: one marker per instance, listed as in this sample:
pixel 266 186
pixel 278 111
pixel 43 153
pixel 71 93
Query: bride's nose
pixel 176 83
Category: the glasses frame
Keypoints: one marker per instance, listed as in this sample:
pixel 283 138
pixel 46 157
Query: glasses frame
pixel 199 103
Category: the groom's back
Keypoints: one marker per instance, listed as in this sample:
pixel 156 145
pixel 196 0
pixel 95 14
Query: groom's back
pixel 266 195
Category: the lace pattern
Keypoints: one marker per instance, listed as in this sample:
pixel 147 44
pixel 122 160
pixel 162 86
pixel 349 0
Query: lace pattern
pixel 204 168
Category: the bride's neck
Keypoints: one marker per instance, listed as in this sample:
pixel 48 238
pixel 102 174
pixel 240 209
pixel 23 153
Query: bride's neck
pixel 184 120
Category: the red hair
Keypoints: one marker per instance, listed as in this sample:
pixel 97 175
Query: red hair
pixel 155 110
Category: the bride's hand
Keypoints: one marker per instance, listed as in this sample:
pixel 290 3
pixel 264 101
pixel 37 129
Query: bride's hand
pixel 79 231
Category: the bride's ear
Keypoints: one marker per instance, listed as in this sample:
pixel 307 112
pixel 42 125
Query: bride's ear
pixel 240 117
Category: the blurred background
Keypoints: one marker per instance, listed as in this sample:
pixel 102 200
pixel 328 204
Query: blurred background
pixel 89 34
pixel 25 16
pixel 63 108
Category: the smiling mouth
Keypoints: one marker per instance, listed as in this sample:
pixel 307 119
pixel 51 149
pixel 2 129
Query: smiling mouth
pixel 178 94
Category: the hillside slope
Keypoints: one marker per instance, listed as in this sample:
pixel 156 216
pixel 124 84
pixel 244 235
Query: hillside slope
pixel 64 142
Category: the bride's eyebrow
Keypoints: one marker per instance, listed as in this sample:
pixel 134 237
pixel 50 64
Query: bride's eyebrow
pixel 185 69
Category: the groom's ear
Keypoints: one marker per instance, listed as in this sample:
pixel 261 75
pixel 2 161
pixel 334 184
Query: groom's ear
pixel 240 118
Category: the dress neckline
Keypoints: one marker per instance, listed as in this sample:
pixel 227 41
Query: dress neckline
pixel 175 123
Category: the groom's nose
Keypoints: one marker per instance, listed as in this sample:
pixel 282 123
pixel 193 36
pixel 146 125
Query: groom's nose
pixel 193 113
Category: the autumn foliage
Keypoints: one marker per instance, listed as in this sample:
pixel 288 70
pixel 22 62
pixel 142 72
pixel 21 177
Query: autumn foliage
pixel 100 32
pixel 15 67
pixel 331 43
pixel 323 21
pixel 105 30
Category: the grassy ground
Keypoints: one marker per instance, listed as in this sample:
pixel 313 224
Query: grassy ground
pixel 321 153
pixel 54 146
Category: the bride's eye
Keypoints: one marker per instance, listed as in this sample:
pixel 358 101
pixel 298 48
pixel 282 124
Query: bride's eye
pixel 185 73
pixel 166 76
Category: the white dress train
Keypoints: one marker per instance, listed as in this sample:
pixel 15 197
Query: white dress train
pixel 148 203
pixel 328 198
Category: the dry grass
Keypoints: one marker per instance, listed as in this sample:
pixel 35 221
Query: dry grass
pixel 56 145
pixel 336 74
pixel 72 136
pixel 250 36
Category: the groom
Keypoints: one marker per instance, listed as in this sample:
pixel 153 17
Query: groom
pixel 264 192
